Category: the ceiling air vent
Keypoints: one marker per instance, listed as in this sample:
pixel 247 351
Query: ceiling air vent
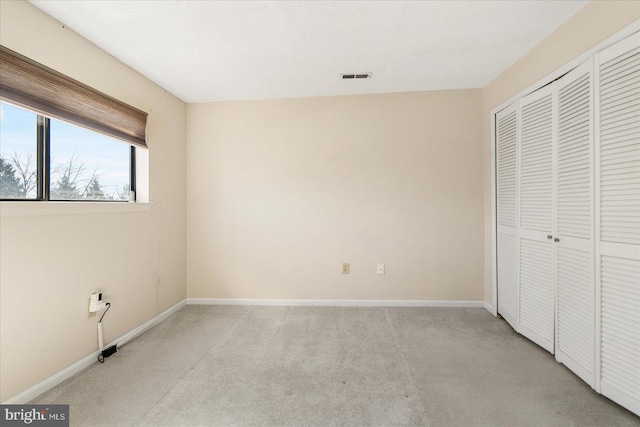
pixel 355 76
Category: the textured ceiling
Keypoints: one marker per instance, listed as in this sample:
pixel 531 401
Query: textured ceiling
pixel 205 51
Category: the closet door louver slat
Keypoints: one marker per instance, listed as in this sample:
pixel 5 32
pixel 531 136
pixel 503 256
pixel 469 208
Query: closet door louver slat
pixel 536 165
pixel 620 171
pixel 536 293
pixel 620 331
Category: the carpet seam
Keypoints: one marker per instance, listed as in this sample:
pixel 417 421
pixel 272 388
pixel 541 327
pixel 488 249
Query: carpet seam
pixel 224 338
pixel 405 365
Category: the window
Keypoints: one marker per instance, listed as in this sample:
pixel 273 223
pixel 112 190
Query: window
pixel 47 159
pixel 18 153
pixel 61 139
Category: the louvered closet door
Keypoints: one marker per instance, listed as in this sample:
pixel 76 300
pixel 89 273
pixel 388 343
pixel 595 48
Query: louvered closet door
pixel 573 238
pixel 536 310
pixel 506 179
pixel 618 224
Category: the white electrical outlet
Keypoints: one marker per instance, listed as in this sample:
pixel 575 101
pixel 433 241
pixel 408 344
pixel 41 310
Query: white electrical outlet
pixel 95 302
pixel 380 269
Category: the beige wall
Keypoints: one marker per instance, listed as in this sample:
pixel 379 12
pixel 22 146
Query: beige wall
pixel 281 192
pixel 588 27
pixel 51 259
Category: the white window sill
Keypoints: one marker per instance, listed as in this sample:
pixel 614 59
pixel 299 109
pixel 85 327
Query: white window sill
pixel 8 209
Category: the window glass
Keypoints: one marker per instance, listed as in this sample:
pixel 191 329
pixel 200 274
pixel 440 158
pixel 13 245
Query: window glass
pixel 86 165
pixel 18 153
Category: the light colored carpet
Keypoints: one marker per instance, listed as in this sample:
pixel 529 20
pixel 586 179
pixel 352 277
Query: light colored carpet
pixel 332 366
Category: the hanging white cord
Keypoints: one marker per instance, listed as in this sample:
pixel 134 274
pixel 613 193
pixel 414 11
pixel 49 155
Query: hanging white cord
pixel 157 272
pixel 100 336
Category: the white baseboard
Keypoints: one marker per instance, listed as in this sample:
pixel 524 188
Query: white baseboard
pixel 336 302
pixel 148 324
pixel 489 308
pixel 46 385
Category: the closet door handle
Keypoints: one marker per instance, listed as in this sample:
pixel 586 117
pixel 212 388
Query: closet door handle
pixel 556 240
pixel 549 236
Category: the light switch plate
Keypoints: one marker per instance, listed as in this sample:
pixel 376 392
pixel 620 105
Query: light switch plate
pixel 345 268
